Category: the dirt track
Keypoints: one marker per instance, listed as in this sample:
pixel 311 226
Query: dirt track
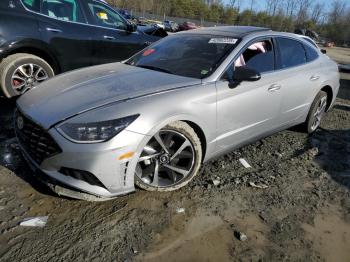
pixel 303 214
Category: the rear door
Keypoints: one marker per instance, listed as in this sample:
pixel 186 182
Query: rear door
pixel 251 109
pixel 300 77
pixel 64 26
pixel 113 42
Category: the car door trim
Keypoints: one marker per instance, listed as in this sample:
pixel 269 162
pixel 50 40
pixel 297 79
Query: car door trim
pixel 230 133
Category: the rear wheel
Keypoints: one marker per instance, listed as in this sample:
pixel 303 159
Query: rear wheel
pixel 21 72
pixel 316 113
pixel 170 159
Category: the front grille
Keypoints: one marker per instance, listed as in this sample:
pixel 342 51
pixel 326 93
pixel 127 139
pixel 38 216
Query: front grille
pixel 38 144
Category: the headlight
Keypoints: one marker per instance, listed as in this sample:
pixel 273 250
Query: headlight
pixel 95 132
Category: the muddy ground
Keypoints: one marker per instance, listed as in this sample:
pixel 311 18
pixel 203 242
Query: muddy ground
pixel 302 213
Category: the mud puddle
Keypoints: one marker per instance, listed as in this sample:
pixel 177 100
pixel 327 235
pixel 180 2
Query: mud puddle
pixel 330 235
pixel 205 237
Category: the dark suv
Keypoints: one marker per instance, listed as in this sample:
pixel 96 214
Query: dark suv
pixel 41 38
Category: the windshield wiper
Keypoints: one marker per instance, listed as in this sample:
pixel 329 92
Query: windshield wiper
pixel 156 69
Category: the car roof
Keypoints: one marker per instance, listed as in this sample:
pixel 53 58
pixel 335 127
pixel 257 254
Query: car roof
pixel 231 31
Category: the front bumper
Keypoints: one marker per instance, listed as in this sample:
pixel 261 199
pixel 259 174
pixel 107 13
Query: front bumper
pixel 116 176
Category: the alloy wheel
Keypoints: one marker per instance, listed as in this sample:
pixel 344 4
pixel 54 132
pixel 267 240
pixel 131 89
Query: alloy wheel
pixel 166 160
pixel 27 76
pixel 321 109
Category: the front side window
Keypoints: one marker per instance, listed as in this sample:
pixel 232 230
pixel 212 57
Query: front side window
pixel 258 56
pixel 33 5
pixel 67 10
pixel 292 53
pixel 104 16
pixel 189 55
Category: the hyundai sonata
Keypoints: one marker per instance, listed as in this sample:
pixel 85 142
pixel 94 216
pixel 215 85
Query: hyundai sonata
pixel 152 120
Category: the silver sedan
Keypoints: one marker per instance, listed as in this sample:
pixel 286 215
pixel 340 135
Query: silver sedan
pixel 152 120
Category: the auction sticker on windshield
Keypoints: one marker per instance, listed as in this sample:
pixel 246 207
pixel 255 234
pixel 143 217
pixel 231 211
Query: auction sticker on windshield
pixel 229 41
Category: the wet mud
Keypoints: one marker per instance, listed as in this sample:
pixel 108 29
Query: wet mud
pixel 293 204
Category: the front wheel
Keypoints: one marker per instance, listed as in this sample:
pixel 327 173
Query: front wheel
pixel 21 72
pixel 316 113
pixel 170 159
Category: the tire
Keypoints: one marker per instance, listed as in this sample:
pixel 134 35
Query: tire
pixel 12 63
pixel 183 130
pixel 320 103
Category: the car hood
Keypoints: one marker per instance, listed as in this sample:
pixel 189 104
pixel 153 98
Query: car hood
pixel 82 90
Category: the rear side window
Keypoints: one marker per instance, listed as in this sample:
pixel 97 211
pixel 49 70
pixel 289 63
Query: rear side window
pixel 67 10
pixel 33 5
pixel 292 53
pixel 311 53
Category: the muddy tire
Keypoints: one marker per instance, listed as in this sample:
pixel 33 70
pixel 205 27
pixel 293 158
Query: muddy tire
pixel 316 113
pixel 172 165
pixel 21 72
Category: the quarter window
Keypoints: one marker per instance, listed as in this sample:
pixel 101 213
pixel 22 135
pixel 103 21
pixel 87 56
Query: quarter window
pixel 292 53
pixel 311 53
pixel 67 10
pixel 104 16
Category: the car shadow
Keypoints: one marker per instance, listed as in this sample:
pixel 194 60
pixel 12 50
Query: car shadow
pixel 344 91
pixel 7 108
pixel 333 154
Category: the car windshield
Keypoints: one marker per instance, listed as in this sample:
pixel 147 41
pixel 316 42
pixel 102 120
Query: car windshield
pixel 188 55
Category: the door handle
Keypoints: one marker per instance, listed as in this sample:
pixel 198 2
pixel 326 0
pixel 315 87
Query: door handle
pixel 53 30
pixel 274 88
pixel 109 37
pixel 314 77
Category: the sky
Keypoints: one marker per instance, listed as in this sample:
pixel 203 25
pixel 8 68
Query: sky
pixel 261 4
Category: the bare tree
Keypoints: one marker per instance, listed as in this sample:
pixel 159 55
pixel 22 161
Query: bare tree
pixel 337 11
pixel 235 4
pixel 317 12
pixel 252 3
pixel 303 7
pixel 289 7
pixel 272 6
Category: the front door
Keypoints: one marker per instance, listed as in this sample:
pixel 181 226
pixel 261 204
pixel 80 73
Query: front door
pixel 250 109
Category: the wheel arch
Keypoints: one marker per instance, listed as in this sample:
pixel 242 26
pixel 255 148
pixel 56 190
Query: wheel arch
pixel 328 89
pixel 197 125
pixel 43 53
pixel 198 130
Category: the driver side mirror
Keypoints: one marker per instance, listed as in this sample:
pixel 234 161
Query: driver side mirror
pixel 243 74
pixel 131 27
